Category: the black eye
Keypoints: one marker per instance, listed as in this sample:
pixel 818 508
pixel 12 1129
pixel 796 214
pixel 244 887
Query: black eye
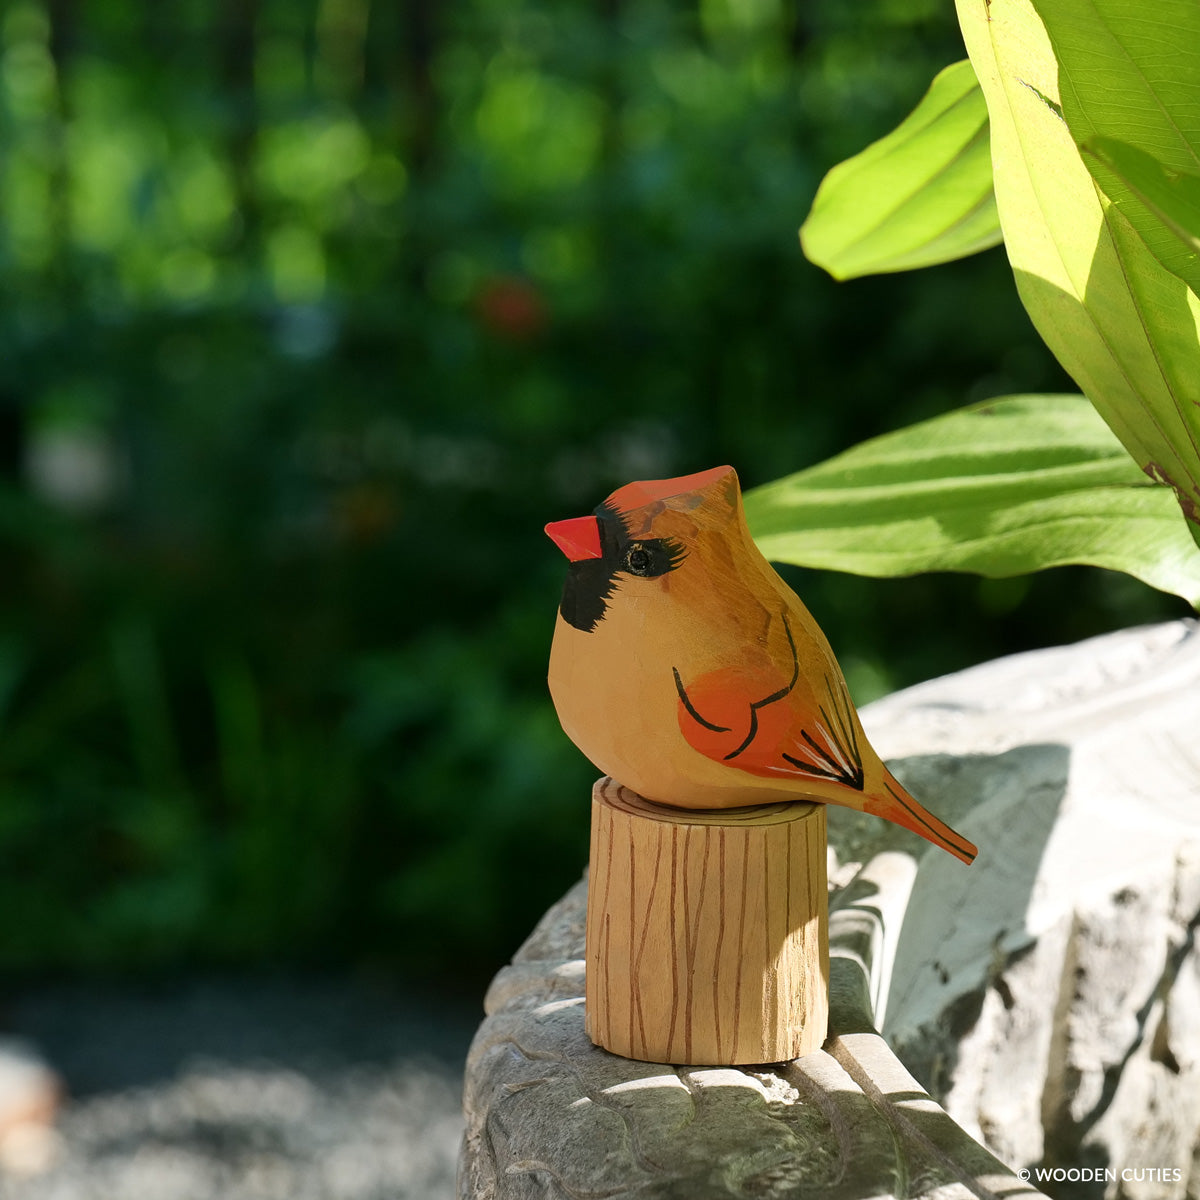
pixel 639 560
pixel 652 557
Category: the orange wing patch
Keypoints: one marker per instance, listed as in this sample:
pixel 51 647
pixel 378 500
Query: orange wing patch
pixel 733 716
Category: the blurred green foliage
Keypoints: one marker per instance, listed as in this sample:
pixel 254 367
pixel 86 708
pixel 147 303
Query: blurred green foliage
pixel 313 314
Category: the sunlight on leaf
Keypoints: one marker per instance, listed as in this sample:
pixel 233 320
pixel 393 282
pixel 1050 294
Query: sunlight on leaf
pixel 1117 320
pixel 921 195
pixel 1012 485
pixel 1171 197
pixel 1128 72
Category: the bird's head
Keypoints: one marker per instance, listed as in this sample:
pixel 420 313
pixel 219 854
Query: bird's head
pixel 643 531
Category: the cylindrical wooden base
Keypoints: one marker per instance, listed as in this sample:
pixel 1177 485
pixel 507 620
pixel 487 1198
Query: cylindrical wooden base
pixel 707 932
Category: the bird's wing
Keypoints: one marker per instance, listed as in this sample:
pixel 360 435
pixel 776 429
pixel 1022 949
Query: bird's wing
pixel 778 719
pixel 794 722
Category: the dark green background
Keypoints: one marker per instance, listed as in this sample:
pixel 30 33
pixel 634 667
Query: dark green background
pixel 312 315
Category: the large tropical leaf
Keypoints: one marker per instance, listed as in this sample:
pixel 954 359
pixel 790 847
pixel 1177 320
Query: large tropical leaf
pixel 1129 72
pixel 1172 198
pixel 921 195
pixel 1120 322
pixel 1001 488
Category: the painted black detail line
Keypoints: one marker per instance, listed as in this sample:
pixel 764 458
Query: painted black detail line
pixel 750 736
pixel 688 705
pixel 943 834
pixel 779 695
pixel 841 731
pixel 755 705
pixel 841 705
pixel 824 754
pixel 813 769
pixel 834 769
pixel 850 776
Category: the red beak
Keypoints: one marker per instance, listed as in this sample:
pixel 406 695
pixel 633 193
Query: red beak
pixel 578 538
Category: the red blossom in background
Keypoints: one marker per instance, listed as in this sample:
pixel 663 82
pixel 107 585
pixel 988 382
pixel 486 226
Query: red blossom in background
pixel 511 307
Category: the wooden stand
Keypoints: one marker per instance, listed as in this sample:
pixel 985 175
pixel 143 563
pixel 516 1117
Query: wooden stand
pixel 707 932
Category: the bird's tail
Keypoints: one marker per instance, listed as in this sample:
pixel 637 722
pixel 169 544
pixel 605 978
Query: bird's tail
pixel 895 804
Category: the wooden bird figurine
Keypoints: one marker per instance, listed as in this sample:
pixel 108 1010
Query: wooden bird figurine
pixel 686 669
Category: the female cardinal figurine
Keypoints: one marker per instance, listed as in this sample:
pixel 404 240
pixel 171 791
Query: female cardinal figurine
pixel 686 669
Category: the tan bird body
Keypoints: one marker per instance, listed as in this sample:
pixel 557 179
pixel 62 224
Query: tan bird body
pixel 687 670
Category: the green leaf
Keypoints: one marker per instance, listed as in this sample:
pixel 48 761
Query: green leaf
pixel 921 195
pixel 1001 488
pixel 1128 74
pixel 1122 324
pixel 1152 192
pixel 1171 197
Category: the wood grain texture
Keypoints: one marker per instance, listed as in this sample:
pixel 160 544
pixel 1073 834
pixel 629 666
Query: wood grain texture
pixel 707 933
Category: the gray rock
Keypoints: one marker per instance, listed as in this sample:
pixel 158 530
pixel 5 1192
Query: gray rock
pixel 1050 997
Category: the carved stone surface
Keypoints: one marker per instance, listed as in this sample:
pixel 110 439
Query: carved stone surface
pixel 1050 998
pixel 1049 995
